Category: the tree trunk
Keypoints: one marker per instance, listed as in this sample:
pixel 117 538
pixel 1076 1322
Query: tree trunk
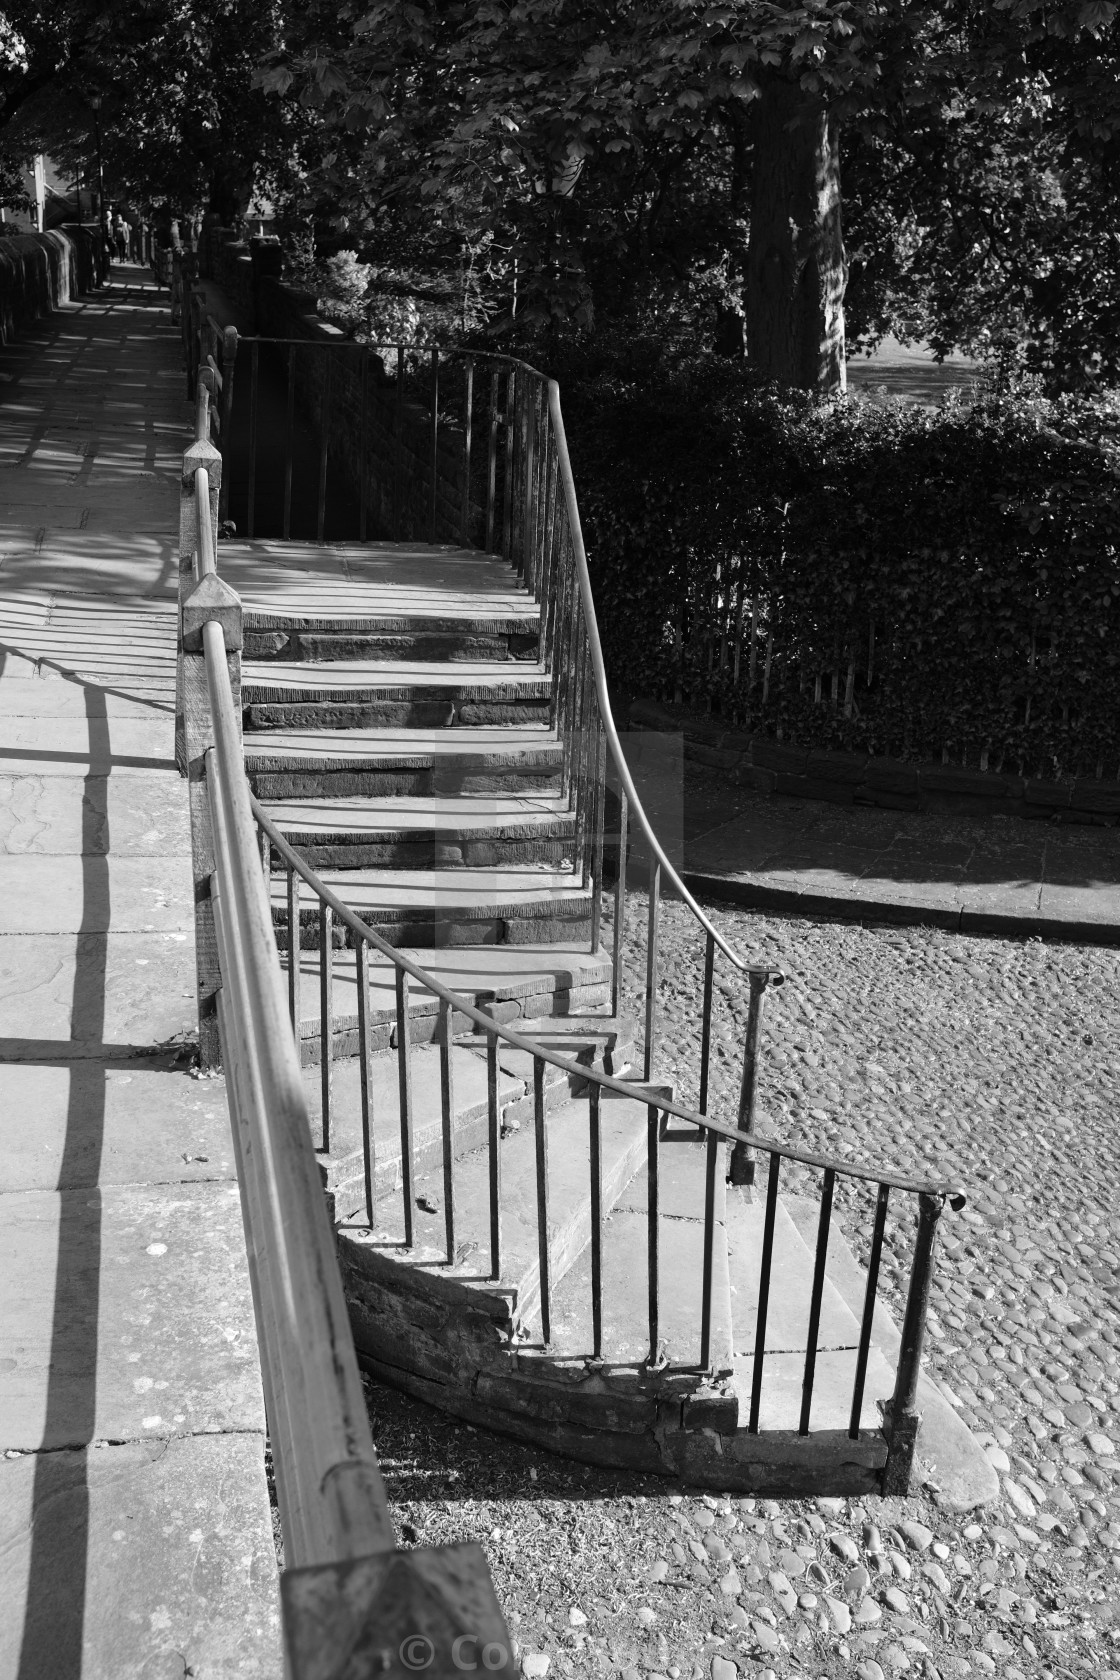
pixel 796 267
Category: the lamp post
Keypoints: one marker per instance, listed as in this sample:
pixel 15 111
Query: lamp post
pixel 95 107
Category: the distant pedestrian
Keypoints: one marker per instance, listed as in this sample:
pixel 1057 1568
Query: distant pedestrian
pixel 121 230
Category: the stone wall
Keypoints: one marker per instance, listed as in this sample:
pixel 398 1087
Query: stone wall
pixel 41 271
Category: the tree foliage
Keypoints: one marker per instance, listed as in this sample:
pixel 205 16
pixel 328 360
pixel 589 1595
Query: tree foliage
pixel 181 124
pixel 604 152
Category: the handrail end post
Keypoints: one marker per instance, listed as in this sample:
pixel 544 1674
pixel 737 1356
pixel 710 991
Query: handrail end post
pixel 901 1419
pixel 398 1608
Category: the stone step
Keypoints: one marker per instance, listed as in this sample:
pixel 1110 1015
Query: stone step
pixel 437 907
pixel 296 764
pixel 514 983
pixel 626 1343
pixel 392 694
pixel 591 1041
pixel 408 637
pixel 473 831
pixel 787 1326
pixel 515 1296
pixel 339 585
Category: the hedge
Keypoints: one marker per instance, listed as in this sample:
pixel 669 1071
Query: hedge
pixel 895 580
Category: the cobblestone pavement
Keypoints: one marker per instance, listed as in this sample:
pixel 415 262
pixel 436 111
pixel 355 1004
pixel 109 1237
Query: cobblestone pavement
pixel 991 1062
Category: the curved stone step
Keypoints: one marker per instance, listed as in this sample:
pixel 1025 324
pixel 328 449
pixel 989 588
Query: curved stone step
pixel 458 906
pixel 513 1298
pixel 392 694
pixel 326 583
pixel 473 831
pixel 514 983
pixel 293 764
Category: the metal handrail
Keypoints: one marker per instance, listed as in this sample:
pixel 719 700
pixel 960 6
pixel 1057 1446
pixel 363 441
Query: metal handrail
pixel 333 1502
pixel 584 719
pixel 519 1041
pixel 600 678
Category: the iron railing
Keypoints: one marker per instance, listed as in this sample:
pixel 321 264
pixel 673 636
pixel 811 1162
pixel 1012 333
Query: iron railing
pixel 514 494
pixel 455 1013
pixel 343 1577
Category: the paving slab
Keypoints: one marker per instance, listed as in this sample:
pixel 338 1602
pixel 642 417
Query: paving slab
pixel 58 894
pixel 40 694
pixel 150 1328
pixel 103 639
pixel 66 1125
pixel 143 1560
pixel 66 994
pixel 97 561
pixel 133 816
pixel 82 746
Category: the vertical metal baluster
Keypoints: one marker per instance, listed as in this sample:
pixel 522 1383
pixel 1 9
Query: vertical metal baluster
pixel 447 1108
pixel 254 379
pixel 742 1166
pixel 507 486
pixel 868 1309
pixel 711 1163
pixel 363 444
pixel 545 594
pixel 902 1420
pixel 404 1079
pixel 706 1022
pixel 619 902
pixel 324 447
pixel 529 464
pixel 543 1254
pixel 596 1221
pixel 326 1016
pixel 764 1290
pixel 517 473
pixel 653 930
pixel 494 1139
pixel 432 526
pixel 819 1264
pixel 468 419
pixel 398 455
pixel 361 958
pixel 289 442
pixel 492 464
pixel 266 859
pixel 294 975
pixel 653 1206
pixel 599 820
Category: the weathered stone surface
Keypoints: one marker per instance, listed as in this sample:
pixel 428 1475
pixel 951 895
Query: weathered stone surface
pixel 146 1560
pixel 128 1315
pixel 66 1125
pixel 131 816
pixel 52 894
pixel 65 994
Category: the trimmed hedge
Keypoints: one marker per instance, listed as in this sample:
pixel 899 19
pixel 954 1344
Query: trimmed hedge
pixel 922 583
pixel 40 271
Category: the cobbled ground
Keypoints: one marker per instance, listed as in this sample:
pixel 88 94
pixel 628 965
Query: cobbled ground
pixel 990 1064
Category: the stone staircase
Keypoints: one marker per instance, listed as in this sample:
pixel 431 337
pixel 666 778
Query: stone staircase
pixel 397 732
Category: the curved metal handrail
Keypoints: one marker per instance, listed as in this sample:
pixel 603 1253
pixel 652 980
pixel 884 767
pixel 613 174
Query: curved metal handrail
pixel 519 1041
pixel 600 676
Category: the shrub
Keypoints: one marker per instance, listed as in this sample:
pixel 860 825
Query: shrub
pixel 920 583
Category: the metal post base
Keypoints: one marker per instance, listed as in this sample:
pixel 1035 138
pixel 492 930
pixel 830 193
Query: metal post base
pixel 431 1611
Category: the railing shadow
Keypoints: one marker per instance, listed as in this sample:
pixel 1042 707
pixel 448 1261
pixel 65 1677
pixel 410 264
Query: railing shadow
pixel 60 1515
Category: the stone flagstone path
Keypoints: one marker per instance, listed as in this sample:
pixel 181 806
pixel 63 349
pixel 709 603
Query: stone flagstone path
pixel 135 1530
